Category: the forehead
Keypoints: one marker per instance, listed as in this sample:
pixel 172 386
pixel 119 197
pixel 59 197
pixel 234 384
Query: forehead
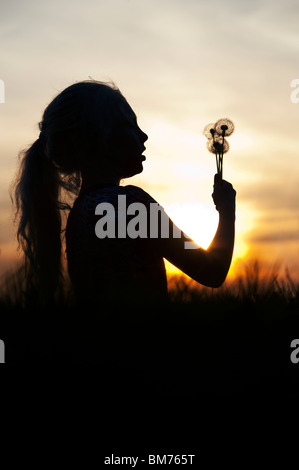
pixel 126 109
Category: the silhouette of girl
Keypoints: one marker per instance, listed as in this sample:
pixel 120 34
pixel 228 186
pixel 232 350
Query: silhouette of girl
pixel 90 140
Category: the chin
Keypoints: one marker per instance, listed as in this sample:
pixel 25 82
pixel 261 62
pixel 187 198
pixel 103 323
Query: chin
pixel 134 172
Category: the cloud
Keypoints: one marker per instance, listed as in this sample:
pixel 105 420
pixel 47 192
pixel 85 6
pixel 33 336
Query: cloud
pixel 287 236
pixel 274 195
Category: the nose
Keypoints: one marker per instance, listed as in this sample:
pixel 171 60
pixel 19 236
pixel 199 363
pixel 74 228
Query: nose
pixel 143 135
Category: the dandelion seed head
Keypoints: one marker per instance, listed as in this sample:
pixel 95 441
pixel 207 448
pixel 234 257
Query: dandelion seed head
pixel 216 146
pixel 225 126
pixel 209 130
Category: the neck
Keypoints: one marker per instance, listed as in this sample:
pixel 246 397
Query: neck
pixel 88 181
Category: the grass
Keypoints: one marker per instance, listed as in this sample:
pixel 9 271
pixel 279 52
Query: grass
pixel 224 341
pixel 255 286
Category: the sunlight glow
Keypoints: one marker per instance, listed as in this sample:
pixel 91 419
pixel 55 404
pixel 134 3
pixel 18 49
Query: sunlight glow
pixel 241 141
pixel 196 220
pixel 200 223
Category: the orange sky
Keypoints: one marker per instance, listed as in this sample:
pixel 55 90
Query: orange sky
pixel 181 64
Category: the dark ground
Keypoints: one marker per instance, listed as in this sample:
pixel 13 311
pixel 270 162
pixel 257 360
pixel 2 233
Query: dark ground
pixel 211 377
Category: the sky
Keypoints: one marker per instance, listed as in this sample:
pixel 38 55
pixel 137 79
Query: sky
pixel 181 64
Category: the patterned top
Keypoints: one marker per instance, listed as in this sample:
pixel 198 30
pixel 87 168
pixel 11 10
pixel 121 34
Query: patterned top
pixel 113 270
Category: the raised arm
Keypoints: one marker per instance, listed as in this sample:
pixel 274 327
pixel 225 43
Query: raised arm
pixel 208 267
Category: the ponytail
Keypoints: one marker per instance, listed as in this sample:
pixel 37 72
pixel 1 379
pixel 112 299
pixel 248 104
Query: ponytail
pixel 39 224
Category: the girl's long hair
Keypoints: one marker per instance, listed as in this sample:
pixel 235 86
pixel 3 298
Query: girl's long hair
pixel 73 130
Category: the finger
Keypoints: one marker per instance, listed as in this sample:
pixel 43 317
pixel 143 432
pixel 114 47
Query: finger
pixel 227 184
pixel 217 178
pixel 217 181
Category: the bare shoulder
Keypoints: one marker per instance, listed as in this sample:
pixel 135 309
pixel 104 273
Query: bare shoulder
pixel 139 194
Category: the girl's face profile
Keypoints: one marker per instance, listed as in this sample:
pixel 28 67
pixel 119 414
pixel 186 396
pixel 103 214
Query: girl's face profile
pixel 126 143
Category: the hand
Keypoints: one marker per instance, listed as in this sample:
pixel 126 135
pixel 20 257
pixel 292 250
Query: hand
pixel 224 195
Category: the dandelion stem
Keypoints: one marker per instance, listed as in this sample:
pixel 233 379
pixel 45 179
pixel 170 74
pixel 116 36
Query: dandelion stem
pixel 220 165
pixel 218 162
pixel 222 146
pixel 221 162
